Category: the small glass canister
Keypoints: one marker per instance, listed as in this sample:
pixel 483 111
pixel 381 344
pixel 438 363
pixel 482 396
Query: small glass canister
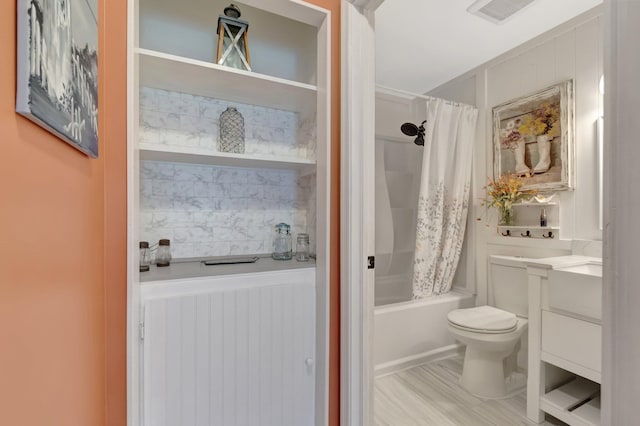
pixel 163 255
pixel 282 242
pixel 145 256
pixel 302 248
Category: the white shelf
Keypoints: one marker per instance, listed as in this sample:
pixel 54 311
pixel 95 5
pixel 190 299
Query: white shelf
pixel 589 412
pixel 561 403
pixel 197 156
pixel 178 74
pixel 536 204
pixel 532 227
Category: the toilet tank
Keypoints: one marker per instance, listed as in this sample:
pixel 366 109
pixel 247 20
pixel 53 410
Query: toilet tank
pixel 508 284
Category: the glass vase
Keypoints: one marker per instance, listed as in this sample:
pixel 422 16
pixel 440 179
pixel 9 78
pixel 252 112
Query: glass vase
pixel 506 216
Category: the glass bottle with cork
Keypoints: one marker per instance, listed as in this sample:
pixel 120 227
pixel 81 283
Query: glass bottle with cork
pixel 543 217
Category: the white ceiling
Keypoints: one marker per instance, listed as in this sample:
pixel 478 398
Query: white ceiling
pixel 421 44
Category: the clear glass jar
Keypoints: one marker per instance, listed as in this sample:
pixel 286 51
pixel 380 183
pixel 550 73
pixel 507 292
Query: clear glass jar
pixel 145 256
pixel 282 242
pixel 163 255
pixel 302 248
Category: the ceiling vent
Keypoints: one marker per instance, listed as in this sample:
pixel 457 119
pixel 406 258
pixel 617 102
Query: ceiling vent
pixel 498 11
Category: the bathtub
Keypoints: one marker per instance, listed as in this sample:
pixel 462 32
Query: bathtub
pixel 414 332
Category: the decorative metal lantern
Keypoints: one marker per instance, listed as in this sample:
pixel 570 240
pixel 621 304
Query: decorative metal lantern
pixel 233 44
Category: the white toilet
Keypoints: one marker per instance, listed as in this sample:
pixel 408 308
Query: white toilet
pixel 492 333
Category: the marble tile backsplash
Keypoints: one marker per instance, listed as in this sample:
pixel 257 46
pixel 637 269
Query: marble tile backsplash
pixel 221 211
pixel 184 120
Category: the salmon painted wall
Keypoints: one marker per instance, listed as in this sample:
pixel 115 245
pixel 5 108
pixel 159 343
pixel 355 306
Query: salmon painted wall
pixel 114 126
pixel 51 267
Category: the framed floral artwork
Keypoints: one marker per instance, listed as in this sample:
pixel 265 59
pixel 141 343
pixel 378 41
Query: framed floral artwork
pixel 533 138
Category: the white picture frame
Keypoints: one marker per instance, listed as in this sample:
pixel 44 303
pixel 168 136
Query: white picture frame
pixel 517 116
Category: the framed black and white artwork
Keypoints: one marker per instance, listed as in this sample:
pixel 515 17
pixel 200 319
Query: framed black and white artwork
pixel 57 69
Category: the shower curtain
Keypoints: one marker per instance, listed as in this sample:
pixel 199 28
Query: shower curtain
pixel 444 195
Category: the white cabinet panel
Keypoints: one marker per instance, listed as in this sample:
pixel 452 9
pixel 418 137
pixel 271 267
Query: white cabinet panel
pixel 231 356
pixel 571 339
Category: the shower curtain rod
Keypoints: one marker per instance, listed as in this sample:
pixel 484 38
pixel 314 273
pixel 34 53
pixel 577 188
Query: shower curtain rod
pixel 409 95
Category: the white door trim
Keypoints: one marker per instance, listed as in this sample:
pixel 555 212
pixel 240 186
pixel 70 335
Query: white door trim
pixel 357 215
pixel 621 293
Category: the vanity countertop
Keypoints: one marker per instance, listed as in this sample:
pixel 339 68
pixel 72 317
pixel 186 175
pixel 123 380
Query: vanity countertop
pixel 562 261
pixel 194 268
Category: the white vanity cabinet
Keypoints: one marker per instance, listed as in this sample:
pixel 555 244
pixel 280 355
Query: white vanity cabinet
pixel 565 332
pixel 233 349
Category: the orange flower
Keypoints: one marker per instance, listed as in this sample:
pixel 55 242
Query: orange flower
pixel 504 192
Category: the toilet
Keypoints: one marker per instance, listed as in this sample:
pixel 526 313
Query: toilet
pixel 492 334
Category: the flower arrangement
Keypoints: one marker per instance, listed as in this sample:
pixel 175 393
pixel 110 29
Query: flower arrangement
pixel 542 120
pixel 510 135
pixel 503 193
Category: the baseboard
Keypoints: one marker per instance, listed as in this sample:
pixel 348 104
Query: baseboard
pixel 418 359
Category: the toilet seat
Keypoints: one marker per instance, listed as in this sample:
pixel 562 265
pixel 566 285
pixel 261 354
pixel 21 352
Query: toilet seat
pixel 483 319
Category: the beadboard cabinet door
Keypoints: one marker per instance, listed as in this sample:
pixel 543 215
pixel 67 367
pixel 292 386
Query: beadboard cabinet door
pixel 231 356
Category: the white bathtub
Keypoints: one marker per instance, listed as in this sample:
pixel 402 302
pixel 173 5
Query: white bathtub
pixel 414 332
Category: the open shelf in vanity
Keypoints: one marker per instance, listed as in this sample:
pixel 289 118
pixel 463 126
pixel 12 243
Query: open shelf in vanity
pixel 576 403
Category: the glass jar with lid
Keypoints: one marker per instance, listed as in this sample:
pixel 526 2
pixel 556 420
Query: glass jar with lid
pixel 302 248
pixel 282 242
pixel 145 256
pixel 163 255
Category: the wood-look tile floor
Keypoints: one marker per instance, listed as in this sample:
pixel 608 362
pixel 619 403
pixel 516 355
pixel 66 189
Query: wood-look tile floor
pixel 430 394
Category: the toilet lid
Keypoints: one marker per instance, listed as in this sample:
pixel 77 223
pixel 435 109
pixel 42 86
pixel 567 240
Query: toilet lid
pixel 484 318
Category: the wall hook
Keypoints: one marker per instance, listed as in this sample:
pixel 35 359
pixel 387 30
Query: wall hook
pixel 527 235
pixel 549 235
pixel 508 234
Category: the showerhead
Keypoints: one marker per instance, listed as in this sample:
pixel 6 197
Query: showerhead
pixel 411 129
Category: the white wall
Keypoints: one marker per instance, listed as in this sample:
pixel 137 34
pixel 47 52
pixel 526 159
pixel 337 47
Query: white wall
pixel 573 50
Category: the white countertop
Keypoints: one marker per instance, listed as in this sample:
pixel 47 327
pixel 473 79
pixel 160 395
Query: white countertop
pixel 562 261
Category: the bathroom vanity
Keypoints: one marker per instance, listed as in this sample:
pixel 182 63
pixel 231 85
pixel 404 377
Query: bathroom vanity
pixel 565 337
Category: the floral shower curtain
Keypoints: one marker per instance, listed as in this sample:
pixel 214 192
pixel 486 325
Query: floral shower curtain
pixel 444 195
